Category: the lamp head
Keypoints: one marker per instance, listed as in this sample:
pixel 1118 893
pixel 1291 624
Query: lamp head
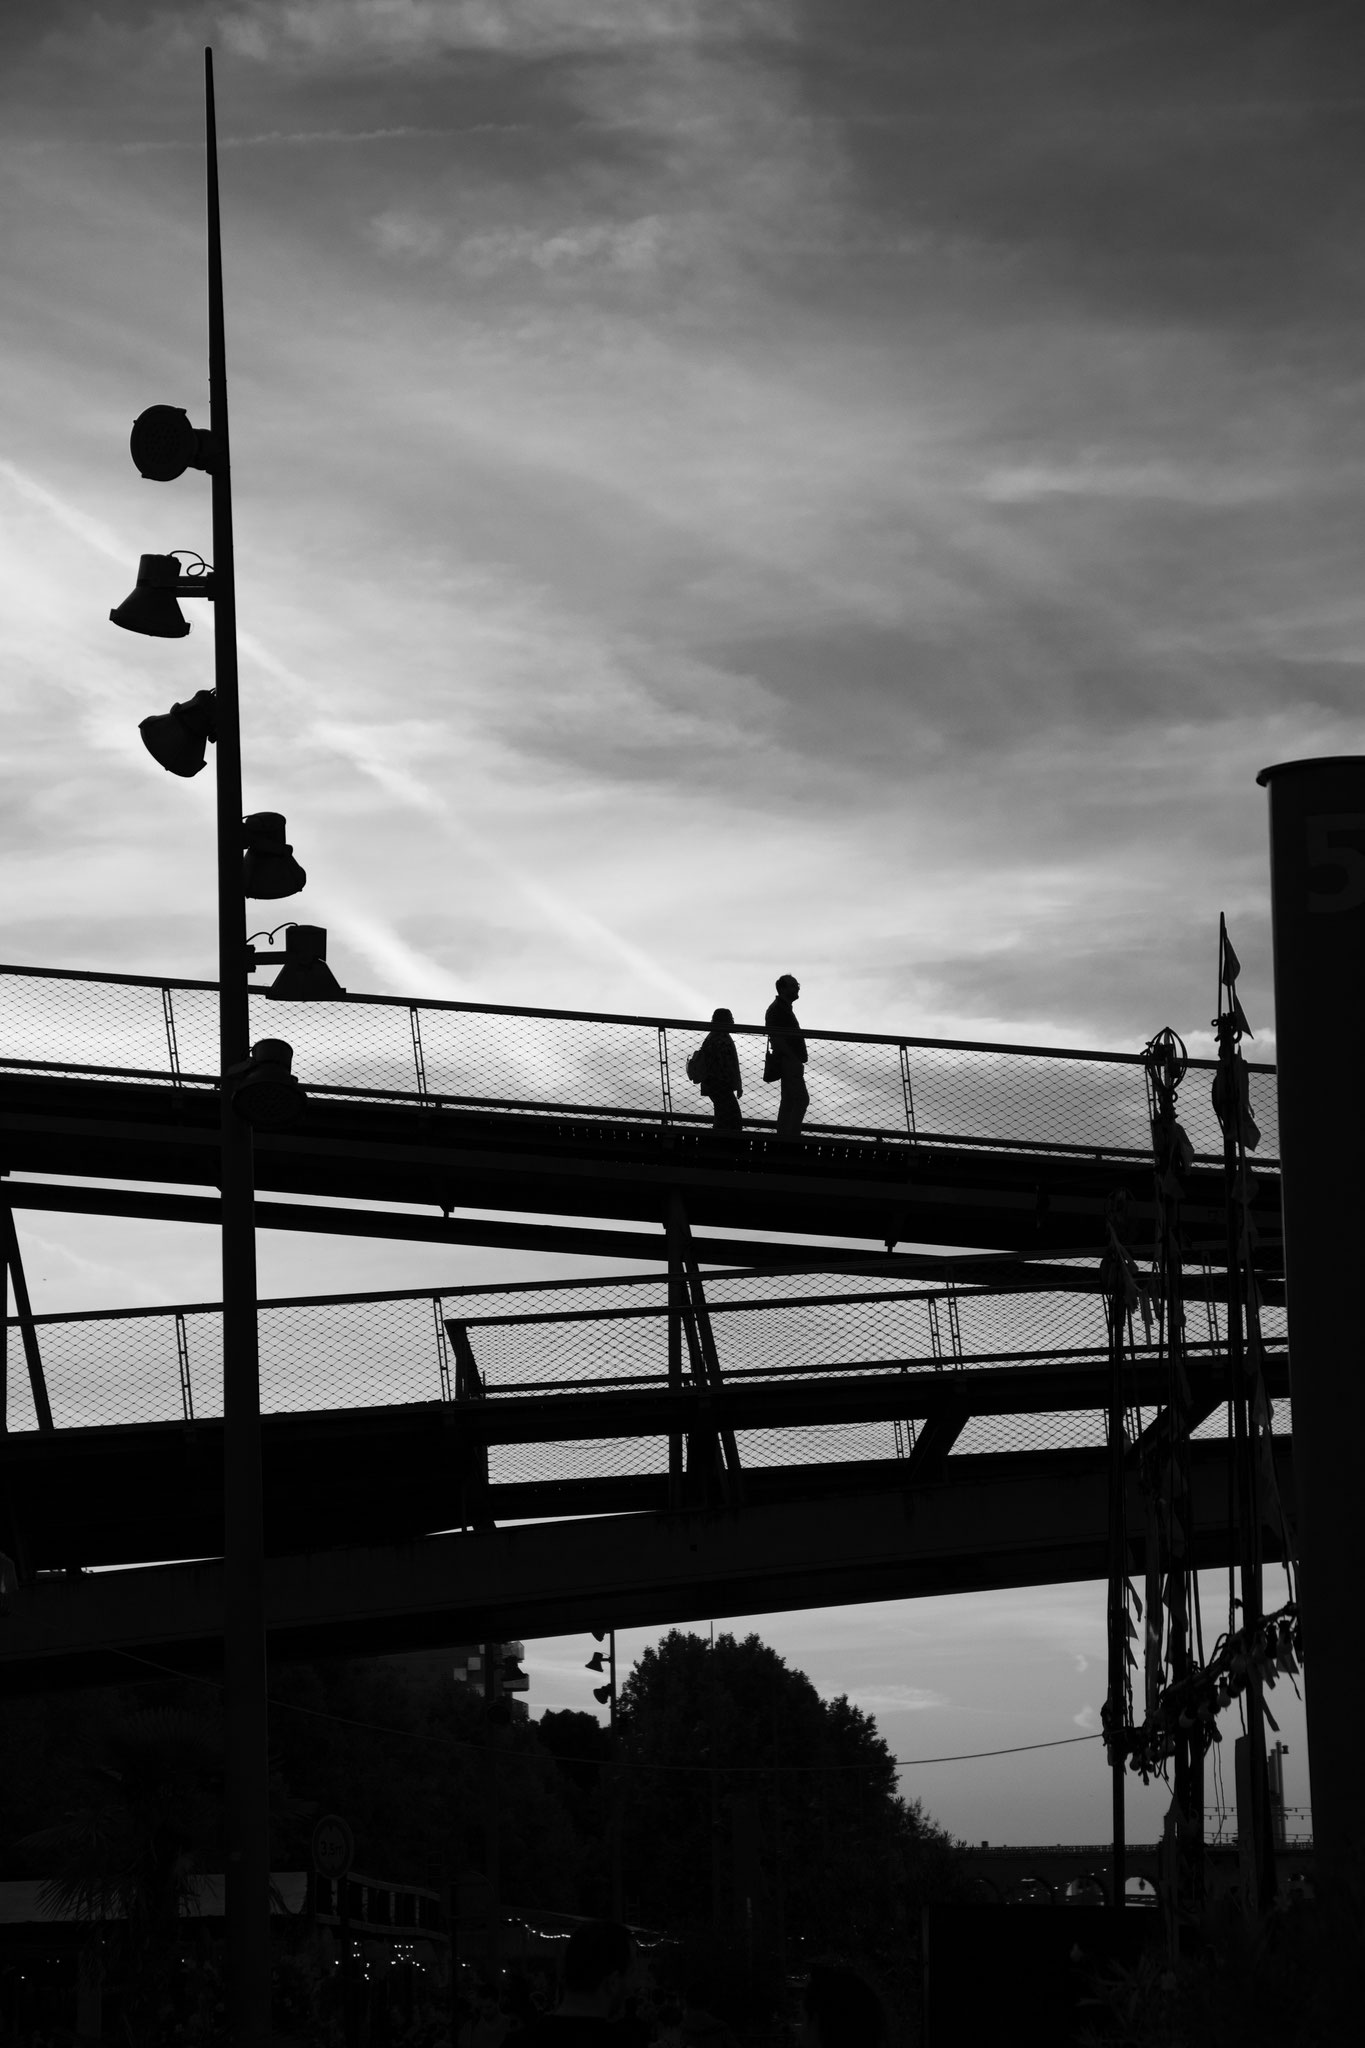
pixel 151 607
pixel 305 976
pixel 602 1694
pixel 177 738
pixel 595 1663
pixel 265 1093
pixel 164 445
pixel 269 869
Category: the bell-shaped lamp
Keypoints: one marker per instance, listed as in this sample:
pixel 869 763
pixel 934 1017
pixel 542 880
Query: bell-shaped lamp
pixel 266 1093
pixel 305 976
pixel 602 1694
pixel 177 738
pixel 151 607
pixel 269 869
pixel 595 1663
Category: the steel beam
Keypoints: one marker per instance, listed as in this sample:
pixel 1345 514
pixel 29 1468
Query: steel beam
pixel 621 1169
pixel 1023 1522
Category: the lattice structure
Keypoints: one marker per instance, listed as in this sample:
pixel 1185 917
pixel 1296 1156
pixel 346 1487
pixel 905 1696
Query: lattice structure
pixel 626 1067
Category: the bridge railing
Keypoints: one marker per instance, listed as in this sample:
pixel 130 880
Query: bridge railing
pixel 499 1058
pixel 534 1342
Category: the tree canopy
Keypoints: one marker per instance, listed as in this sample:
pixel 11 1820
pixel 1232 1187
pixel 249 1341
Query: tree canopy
pixel 750 1802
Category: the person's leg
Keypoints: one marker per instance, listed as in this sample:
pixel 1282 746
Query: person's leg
pixel 795 1100
pixel 729 1116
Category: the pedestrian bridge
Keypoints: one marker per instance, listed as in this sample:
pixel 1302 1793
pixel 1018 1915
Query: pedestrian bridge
pixel 796 1416
pixel 448 1108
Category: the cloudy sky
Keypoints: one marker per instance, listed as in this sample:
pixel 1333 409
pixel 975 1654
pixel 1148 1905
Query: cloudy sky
pixel 719 488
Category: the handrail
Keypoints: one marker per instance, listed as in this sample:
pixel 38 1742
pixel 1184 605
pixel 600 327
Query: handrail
pixel 894 1038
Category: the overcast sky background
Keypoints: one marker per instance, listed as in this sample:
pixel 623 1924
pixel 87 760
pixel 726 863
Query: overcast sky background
pixel 853 488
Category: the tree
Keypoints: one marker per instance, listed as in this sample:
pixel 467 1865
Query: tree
pixel 755 1806
pixel 124 1852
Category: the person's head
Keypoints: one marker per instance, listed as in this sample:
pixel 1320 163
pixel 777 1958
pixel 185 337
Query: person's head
pixel 841 2010
pixel 723 1020
pixel 598 1963
pixel 788 986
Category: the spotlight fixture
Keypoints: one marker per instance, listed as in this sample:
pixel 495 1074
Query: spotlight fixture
pixel 305 976
pixel 151 606
pixel 265 1093
pixel 177 738
pixel 602 1695
pixel 269 869
pixel 595 1663
pixel 164 445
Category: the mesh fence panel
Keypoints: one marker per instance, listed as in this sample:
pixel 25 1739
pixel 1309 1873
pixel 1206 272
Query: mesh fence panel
pixel 533 1341
pixel 612 1067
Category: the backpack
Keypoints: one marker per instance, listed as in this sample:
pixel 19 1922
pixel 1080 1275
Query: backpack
pixel 697 1065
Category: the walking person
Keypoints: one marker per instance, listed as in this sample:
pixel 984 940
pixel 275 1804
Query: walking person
pixel 786 1061
pixel 714 1066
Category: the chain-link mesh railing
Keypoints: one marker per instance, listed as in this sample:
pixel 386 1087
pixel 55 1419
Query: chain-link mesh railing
pixel 552 1061
pixel 535 1343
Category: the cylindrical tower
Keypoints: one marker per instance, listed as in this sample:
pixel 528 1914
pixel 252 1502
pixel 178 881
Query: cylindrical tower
pixel 1317 863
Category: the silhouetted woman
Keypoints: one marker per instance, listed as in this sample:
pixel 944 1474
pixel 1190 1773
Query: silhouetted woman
pixel 721 1078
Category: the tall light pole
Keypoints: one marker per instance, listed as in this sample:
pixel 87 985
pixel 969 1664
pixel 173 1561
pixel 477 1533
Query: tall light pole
pixel 246 1810
pixel 164 445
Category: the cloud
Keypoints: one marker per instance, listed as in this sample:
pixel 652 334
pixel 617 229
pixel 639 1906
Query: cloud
pixel 897 1699
pixel 349 32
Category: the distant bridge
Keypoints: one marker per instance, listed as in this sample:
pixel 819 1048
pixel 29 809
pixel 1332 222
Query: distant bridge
pixel 1054 1872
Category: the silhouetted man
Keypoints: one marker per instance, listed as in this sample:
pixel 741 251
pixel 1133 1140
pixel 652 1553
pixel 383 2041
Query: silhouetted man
pixel 787 1050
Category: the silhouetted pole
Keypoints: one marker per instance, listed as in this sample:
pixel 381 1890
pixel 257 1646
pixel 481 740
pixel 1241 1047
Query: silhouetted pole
pixel 1116 1718
pixel 1317 873
pixel 246 1811
pixel 1253 1809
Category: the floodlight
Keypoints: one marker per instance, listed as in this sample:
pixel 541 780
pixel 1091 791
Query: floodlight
pixel 151 607
pixel 602 1695
pixel 177 738
pixel 164 445
pixel 265 1092
pixel 305 976
pixel 595 1663
pixel 269 869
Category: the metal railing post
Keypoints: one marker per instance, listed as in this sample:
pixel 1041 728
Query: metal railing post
pixel 665 1081
pixel 418 1057
pixel 172 1047
pixel 23 1308
pixel 182 1354
pixel 907 1092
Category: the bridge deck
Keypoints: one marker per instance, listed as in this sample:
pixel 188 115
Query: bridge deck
pixel 454 1106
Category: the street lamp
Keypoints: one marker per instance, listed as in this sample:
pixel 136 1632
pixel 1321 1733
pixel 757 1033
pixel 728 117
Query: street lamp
pixel 178 738
pixel 605 1695
pixel 305 976
pixel 151 608
pixel 256 1086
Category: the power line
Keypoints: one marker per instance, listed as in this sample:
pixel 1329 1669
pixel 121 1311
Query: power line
pixel 901 1763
